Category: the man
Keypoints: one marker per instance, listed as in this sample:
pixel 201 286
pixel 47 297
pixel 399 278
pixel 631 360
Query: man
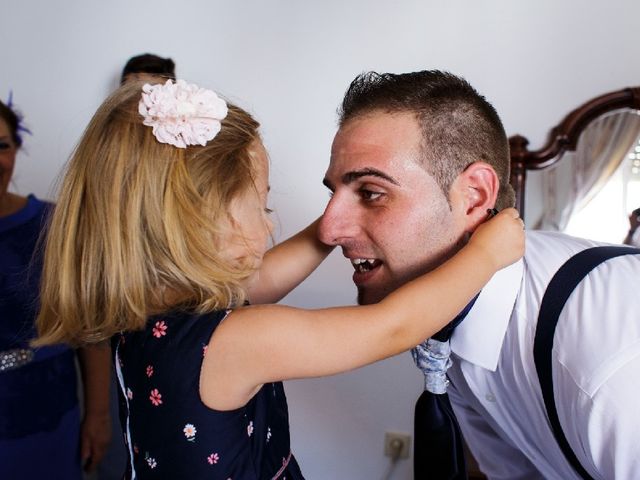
pixel 149 67
pixel 417 161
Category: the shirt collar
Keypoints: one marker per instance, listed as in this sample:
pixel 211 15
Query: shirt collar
pixel 478 339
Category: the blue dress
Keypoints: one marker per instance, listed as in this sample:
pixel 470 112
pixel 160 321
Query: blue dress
pixel 170 433
pixel 39 413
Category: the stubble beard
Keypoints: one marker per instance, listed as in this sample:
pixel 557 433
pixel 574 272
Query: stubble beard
pixel 363 300
pixel 369 298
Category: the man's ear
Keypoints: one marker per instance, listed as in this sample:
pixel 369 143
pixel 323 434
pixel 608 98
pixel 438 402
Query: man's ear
pixel 478 187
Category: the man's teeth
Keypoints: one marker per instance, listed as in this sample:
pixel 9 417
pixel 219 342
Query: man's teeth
pixel 362 264
pixel 357 261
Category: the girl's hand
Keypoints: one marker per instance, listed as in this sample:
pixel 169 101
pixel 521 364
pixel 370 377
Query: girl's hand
pixel 501 237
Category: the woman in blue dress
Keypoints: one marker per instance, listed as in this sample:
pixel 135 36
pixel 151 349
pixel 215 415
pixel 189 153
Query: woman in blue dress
pixel 41 433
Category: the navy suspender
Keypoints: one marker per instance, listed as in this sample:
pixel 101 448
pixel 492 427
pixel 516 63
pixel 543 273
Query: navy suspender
pixel 558 291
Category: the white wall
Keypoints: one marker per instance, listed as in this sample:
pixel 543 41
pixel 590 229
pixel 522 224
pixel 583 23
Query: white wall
pixel 289 63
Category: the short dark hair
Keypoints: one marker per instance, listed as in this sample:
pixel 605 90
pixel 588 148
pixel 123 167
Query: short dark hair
pixel 13 119
pixel 149 63
pixel 459 126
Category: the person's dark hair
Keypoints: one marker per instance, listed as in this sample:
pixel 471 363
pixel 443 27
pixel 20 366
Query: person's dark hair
pixel 459 126
pixel 13 122
pixel 149 63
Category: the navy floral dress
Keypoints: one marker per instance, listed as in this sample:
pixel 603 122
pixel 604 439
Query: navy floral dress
pixel 170 433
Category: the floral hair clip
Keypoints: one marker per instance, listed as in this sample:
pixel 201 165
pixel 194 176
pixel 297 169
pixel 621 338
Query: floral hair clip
pixel 182 113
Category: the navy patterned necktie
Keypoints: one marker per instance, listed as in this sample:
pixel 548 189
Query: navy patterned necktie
pixel 438 452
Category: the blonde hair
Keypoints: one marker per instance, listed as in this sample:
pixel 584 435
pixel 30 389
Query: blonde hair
pixel 137 225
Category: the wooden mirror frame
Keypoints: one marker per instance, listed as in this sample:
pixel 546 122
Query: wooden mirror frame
pixel 563 137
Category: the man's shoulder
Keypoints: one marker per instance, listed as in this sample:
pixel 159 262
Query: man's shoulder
pixel 557 241
pixel 597 331
pixel 546 252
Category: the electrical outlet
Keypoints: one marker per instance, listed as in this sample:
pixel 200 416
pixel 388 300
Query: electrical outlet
pixel 396 445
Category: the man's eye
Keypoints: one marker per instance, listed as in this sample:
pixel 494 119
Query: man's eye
pixel 268 211
pixel 370 195
pixel 4 146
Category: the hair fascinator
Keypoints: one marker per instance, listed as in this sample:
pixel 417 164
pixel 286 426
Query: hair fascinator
pixel 20 128
pixel 181 113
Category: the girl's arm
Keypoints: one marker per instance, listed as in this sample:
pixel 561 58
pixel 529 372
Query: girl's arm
pixel 260 344
pixel 287 264
pixel 95 433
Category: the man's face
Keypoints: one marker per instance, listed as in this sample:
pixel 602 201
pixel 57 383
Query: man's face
pixel 386 212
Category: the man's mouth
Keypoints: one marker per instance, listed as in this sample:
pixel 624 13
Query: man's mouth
pixel 364 265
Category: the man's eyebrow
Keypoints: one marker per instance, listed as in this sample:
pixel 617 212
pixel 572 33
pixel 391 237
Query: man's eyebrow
pixel 350 177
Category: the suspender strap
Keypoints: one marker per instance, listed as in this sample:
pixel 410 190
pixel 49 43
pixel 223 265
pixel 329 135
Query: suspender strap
pixel 558 291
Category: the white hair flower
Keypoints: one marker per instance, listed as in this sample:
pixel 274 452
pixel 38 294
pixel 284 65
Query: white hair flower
pixel 182 113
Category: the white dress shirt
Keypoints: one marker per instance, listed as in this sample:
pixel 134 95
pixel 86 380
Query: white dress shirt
pixel 494 387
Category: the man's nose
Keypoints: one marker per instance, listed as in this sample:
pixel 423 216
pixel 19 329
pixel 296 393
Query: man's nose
pixel 338 222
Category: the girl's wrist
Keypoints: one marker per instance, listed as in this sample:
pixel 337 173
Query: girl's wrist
pixel 482 253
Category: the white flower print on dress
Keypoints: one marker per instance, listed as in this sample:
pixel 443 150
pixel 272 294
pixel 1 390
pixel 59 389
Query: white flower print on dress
pixel 149 370
pixel 268 434
pixel 190 432
pixel 250 428
pixel 129 393
pixel 213 458
pixel 150 461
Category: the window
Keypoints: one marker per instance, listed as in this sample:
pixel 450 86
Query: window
pixel 606 216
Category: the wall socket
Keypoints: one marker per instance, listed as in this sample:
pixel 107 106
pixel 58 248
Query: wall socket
pixel 397 445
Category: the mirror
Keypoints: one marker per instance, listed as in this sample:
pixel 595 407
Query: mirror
pixel 589 168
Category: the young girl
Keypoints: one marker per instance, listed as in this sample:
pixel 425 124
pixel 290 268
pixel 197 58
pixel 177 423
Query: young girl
pixel 159 238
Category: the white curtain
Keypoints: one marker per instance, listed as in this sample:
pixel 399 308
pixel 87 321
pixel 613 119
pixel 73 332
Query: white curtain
pixel 574 180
